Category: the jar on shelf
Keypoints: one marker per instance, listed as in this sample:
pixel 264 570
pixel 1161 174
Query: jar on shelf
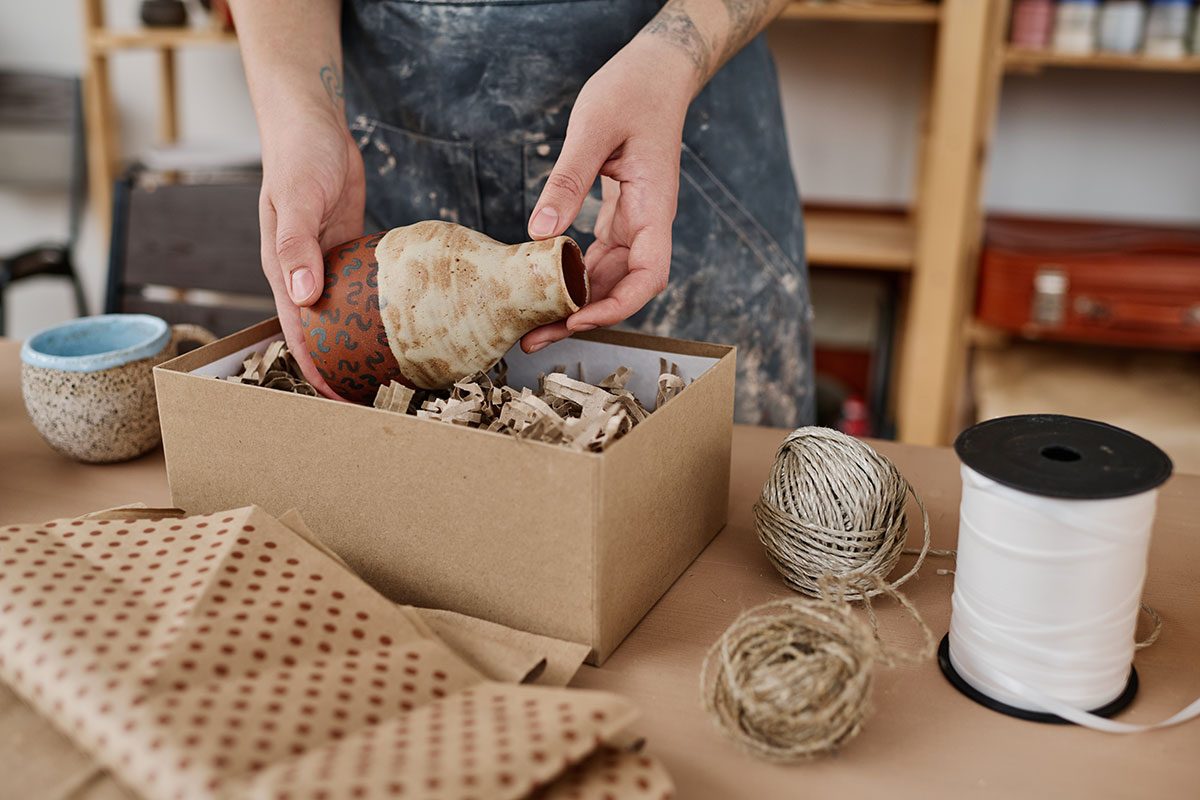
pixel 1122 23
pixel 1167 28
pixel 1032 24
pixel 1075 26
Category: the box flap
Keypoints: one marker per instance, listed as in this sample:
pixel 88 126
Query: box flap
pixel 246 340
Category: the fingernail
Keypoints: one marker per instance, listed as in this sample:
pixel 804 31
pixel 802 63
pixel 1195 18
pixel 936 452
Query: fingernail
pixel 583 326
pixel 536 347
pixel 303 284
pixel 543 222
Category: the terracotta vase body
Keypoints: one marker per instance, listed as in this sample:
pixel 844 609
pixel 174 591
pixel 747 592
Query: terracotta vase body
pixel 430 303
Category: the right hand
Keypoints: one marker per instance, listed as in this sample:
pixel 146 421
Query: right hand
pixel 312 199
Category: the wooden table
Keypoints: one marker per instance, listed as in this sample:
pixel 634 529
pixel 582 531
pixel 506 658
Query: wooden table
pixel 924 739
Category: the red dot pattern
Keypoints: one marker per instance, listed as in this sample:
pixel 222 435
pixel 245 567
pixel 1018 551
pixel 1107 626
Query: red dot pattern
pixel 224 654
pixel 610 774
pixel 489 741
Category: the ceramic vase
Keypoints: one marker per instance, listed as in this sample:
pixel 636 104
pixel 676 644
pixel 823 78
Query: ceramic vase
pixel 430 303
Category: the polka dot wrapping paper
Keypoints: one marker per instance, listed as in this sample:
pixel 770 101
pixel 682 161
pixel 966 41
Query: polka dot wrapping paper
pixel 228 656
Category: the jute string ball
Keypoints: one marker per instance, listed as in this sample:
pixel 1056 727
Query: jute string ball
pixel 834 506
pixel 791 679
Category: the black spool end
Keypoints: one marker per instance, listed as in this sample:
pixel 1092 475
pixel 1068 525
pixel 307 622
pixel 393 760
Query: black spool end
pixel 1054 455
pixel 1107 710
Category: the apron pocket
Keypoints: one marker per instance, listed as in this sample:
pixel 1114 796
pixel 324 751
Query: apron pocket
pixel 538 161
pixel 703 195
pixel 412 177
pixel 732 282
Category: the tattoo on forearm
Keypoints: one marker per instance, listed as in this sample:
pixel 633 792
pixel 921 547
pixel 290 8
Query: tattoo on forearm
pixel 675 25
pixel 331 78
pixel 746 17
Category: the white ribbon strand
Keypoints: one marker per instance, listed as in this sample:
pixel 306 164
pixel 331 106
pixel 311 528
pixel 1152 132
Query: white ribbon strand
pixel 1046 599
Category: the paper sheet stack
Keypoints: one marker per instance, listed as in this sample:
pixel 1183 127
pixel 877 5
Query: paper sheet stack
pixel 230 655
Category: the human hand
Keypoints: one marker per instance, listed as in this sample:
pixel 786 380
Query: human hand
pixel 312 199
pixel 626 127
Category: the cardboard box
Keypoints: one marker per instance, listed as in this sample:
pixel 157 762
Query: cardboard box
pixel 573 545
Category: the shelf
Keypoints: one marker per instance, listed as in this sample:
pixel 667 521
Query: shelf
pixel 862 11
pixel 878 240
pixel 1033 61
pixel 158 38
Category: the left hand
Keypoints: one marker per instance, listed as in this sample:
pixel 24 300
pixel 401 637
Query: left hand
pixel 627 127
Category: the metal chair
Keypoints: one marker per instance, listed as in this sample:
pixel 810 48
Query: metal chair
pixel 32 102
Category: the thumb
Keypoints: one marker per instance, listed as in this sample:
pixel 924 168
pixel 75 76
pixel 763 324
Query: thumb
pixel 299 254
pixel 568 184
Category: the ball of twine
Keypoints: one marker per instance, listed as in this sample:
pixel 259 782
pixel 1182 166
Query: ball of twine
pixel 790 680
pixel 834 506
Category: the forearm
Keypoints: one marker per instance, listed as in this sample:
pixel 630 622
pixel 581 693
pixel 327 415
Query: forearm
pixel 709 32
pixel 292 53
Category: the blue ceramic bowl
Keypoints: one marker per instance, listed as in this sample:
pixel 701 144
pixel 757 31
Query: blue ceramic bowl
pixel 88 384
pixel 92 344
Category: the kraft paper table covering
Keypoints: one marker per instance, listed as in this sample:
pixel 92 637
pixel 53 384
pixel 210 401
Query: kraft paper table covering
pixel 225 655
pixel 923 740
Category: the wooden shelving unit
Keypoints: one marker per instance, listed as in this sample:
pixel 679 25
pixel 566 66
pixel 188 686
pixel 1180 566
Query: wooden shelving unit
pixel 862 11
pixel 1017 61
pixel 1034 61
pixel 860 239
pixel 934 246
pixel 107 40
pixel 103 126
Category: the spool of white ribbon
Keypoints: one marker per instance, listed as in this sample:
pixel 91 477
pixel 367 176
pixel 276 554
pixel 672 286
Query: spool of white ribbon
pixel 1046 598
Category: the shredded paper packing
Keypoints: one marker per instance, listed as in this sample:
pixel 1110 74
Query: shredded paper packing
pixel 274 368
pixel 230 656
pixel 564 411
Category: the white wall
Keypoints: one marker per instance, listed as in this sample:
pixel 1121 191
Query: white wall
pixel 1104 144
pixel 1094 143
pixel 851 94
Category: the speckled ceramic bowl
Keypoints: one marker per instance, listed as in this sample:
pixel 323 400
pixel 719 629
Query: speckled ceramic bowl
pixel 88 384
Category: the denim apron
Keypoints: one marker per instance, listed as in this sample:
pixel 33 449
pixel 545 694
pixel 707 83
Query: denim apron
pixel 460 108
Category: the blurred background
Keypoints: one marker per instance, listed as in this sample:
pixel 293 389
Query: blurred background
pixel 1002 196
